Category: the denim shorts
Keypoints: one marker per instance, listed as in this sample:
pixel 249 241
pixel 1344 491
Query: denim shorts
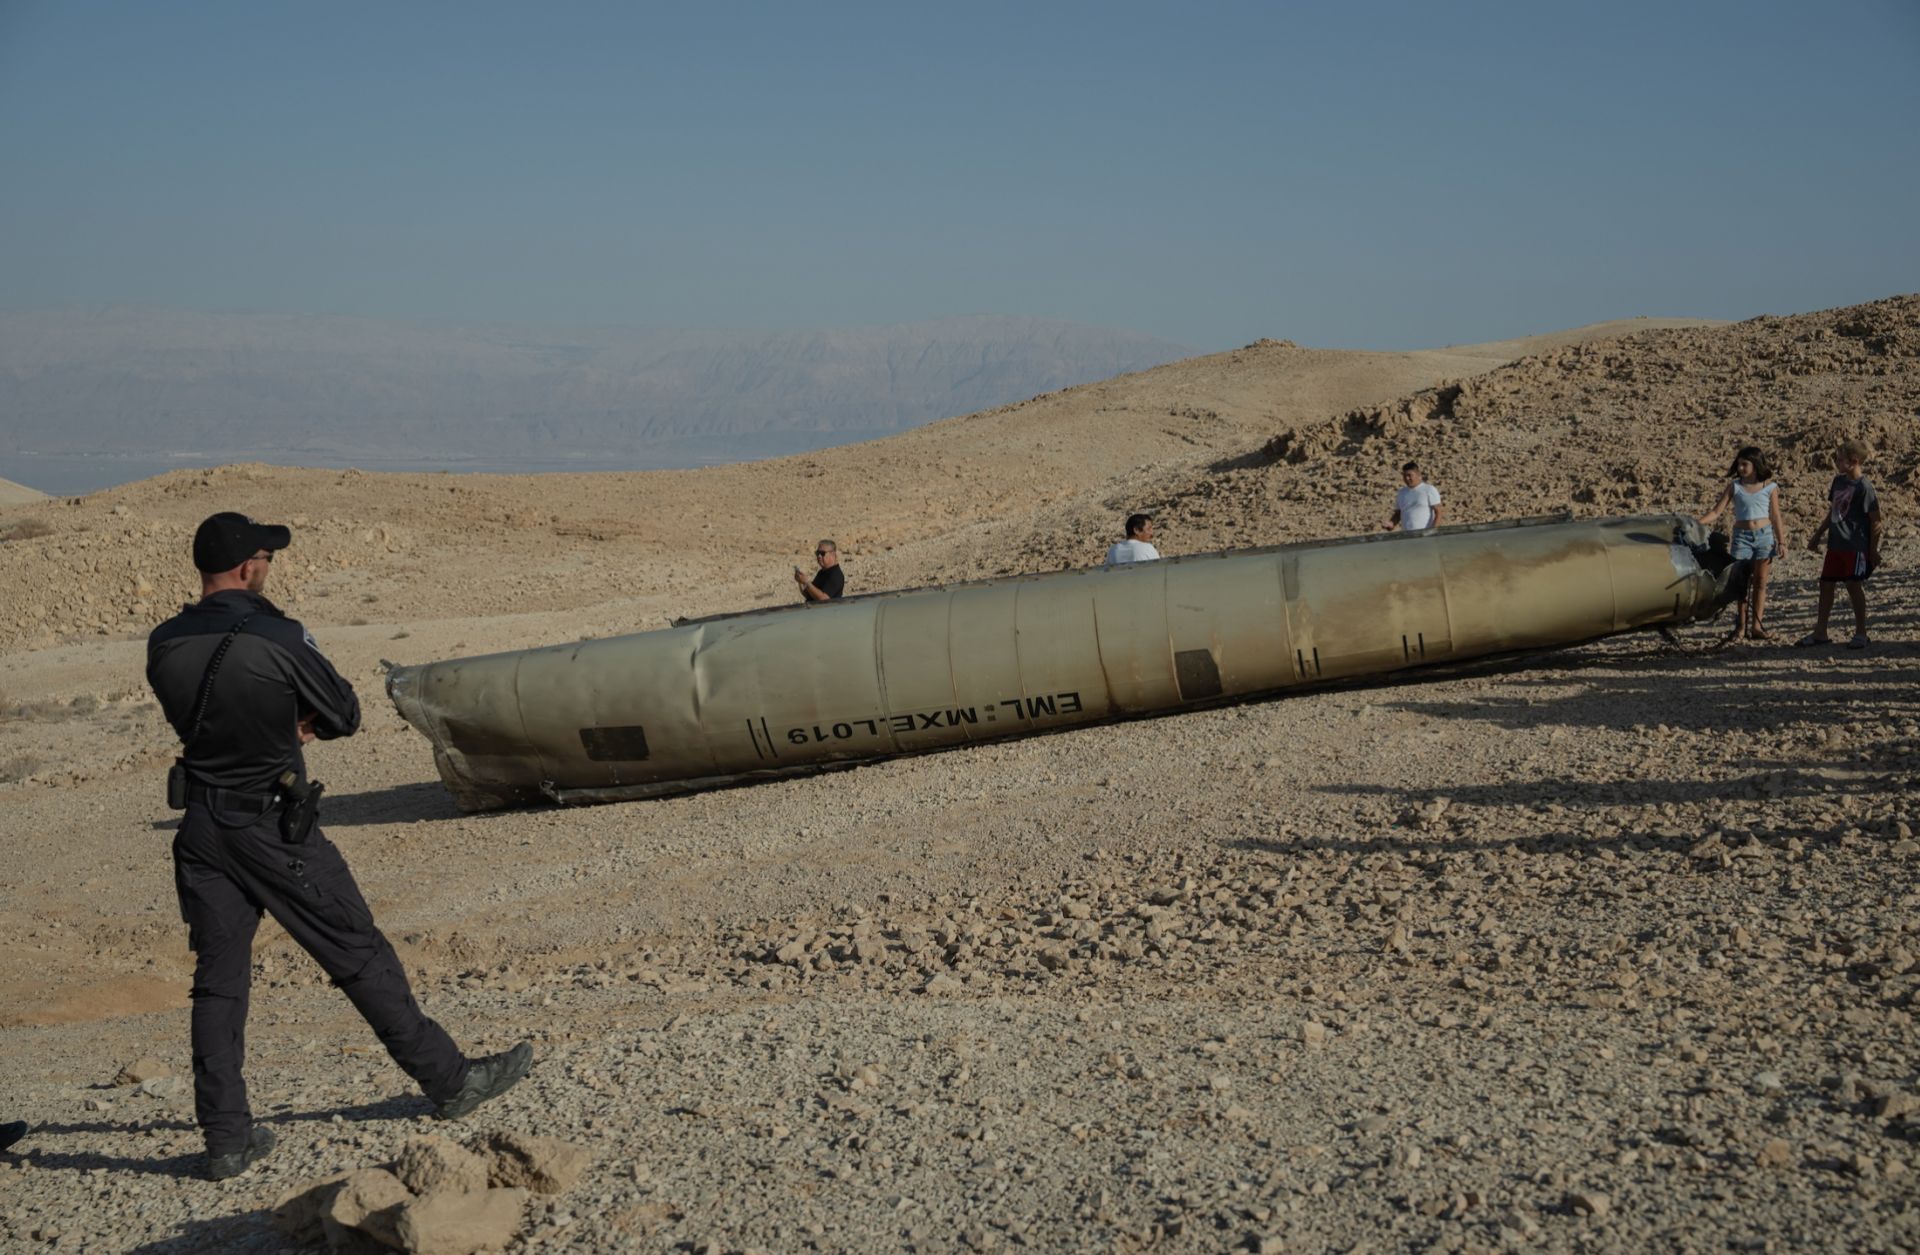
pixel 1756 542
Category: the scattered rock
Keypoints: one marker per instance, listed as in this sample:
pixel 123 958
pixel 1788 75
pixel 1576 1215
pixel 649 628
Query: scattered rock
pixel 368 1200
pixel 1896 1105
pixel 460 1224
pixel 434 1165
pixel 163 1087
pixel 1590 1203
pixel 545 1165
pixel 145 1068
pixel 298 1215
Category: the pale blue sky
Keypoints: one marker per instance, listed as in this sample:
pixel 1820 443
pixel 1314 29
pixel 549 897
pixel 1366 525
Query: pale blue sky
pixel 1364 174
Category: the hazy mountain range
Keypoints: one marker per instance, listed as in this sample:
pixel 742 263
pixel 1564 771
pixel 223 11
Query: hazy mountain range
pixel 225 387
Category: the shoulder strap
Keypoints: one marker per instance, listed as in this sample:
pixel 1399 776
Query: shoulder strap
pixel 206 681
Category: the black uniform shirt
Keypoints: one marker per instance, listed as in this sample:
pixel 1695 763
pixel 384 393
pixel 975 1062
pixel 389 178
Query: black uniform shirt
pixel 272 677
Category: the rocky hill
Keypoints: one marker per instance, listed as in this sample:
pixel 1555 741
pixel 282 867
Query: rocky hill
pixel 1646 422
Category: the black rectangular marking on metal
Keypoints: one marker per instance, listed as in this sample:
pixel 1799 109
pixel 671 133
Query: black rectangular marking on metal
pixel 481 742
pixel 1423 644
pixel 1197 674
pixel 763 732
pixel 1406 653
pixel 753 734
pixel 615 745
pixel 1316 662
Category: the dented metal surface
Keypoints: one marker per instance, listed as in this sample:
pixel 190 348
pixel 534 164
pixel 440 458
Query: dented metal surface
pixel 770 693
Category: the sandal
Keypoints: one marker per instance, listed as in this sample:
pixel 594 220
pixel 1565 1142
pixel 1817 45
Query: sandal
pixel 1759 633
pixel 1859 641
pixel 1813 638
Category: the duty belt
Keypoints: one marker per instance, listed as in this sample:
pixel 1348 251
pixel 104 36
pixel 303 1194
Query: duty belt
pixel 234 799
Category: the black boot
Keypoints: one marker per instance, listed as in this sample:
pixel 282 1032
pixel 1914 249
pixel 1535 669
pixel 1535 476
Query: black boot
pixel 487 1078
pixel 260 1142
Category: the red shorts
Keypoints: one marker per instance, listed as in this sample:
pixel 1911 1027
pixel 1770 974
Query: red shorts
pixel 1844 567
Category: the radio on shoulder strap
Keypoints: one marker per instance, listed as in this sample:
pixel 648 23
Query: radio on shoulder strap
pixel 177 774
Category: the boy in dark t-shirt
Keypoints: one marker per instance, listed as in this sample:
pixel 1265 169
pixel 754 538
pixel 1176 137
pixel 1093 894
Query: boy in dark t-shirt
pixel 1851 530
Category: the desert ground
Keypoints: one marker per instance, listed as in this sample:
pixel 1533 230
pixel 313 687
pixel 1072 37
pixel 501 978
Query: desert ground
pixel 1610 948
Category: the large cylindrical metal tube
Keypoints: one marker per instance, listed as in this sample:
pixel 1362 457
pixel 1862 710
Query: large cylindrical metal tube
pixel 772 692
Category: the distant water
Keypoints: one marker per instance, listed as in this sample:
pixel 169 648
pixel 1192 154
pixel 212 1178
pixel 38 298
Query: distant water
pixel 74 475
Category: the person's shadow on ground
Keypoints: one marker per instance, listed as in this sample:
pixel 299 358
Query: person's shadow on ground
pixel 190 1164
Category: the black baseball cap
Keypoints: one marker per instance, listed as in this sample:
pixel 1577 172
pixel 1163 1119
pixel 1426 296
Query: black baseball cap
pixel 227 539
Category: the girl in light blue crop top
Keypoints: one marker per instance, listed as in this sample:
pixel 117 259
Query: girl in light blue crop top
pixel 1755 498
pixel 1752 505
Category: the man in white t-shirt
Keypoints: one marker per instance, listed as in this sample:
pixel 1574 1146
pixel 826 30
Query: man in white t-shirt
pixel 1417 506
pixel 1136 547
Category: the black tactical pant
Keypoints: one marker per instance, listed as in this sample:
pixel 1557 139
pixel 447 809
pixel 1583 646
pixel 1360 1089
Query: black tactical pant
pixel 229 865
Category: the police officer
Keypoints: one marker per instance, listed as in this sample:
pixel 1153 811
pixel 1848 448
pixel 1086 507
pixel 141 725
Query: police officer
pixel 245 687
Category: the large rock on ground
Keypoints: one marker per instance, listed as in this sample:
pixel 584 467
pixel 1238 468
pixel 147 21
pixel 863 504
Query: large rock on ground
pixel 145 1068
pixel 298 1214
pixel 545 1165
pixel 368 1200
pixel 435 1165
pixel 460 1224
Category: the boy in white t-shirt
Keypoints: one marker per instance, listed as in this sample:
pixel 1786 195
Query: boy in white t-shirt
pixel 1417 506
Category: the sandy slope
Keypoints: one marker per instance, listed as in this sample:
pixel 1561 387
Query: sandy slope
pixel 18 494
pixel 1421 964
